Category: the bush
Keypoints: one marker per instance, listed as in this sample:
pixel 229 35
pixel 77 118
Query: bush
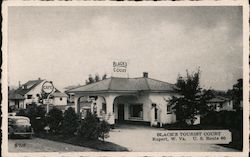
pixel 92 128
pixel 54 119
pixel 39 121
pixel 70 122
pixel 22 112
pixel 224 119
pixel 36 114
pixel 230 120
pixel 103 130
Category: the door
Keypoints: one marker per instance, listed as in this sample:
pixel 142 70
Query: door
pixel 120 112
pixel 16 104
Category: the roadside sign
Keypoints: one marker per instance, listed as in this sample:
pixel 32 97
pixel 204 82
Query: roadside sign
pixel 47 101
pixel 120 68
pixel 48 87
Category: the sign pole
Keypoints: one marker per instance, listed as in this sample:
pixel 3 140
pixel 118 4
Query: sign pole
pixel 47 102
pixel 48 88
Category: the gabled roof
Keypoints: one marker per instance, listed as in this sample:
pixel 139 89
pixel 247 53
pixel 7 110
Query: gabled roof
pixel 114 84
pixel 218 99
pixel 58 93
pixel 28 86
pixel 71 87
pixel 15 96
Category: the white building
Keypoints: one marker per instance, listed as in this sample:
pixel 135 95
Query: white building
pixel 16 101
pixel 220 103
pixel 31 91
pixel 59 100
pixel 116 99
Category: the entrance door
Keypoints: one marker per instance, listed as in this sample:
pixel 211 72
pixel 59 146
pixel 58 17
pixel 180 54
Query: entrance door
pixel 16 104
pixel 120 112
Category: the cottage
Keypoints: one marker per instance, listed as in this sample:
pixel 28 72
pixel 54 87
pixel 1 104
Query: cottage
pixel 59 99
pixel 116 99
pixel 16 100
pixel 220 103
pixel 30 92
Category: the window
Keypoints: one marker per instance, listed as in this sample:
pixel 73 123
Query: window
pixel 104 107
pixel 29 96
pixel 60 98
pixel 22 121
pixel 168 109
pixel 156 113
pixel 221 105
pixel 136 110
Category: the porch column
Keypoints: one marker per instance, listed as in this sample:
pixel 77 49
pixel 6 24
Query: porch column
pixel 77 106
pixel 109 108
pixel 161 115
pixel 152 116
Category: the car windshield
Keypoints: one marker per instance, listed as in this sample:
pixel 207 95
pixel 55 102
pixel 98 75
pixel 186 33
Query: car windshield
pixel 22 121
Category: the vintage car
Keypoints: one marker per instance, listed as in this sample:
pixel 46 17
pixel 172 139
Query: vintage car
pixel 20 126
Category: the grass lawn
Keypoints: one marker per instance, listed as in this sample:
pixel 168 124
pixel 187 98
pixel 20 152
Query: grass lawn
pixel 75 140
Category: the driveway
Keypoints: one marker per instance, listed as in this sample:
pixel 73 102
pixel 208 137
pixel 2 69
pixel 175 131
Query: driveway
pixel 139 138
pixel 43 145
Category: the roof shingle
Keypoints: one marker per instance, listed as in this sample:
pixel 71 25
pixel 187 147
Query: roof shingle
pixel 25 88
pixel 126 84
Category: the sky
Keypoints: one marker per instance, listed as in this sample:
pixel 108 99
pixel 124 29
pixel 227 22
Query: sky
pixel 66 44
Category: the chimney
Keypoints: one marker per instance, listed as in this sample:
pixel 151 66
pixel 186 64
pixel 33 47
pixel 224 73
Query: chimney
pixel 145 74
pixel 39 78
pixel 19 83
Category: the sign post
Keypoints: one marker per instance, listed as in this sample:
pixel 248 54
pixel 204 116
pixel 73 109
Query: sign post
pixel 48 88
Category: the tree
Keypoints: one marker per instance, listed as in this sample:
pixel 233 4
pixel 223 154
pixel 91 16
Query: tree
pixel 36 114
pixel 70 122
pixel 90 79
pixel 104 76
pixel 237 94
pixel 40 121
pixel 54 118
pixel 95 79
pixel 22 112
pixel 191 101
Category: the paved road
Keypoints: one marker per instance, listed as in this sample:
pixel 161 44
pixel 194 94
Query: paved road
pixel 139 138
pixel 43 145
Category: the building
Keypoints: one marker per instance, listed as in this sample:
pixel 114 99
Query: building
pixel 116 99
pixel 30 92
pixel 59 99
pixel 220 103
pixel 16 100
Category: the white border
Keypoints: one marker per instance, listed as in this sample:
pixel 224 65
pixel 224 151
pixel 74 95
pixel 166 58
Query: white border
pixel 4 80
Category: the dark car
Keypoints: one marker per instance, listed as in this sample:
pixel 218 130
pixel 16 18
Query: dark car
pixel 20 126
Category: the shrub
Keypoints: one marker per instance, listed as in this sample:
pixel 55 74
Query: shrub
pixel 54 119
pixel 230 120
pixel 103 130
pixel 92 128
pixel 70 122
pixel 224 119
pixel 40 121
pixel 22 112
pixel 36 114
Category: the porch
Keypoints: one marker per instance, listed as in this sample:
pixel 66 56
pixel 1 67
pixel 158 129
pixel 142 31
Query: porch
pixel 125 108
pixel 126 99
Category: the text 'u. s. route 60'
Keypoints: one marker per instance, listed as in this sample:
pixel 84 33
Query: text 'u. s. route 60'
pixel 193 136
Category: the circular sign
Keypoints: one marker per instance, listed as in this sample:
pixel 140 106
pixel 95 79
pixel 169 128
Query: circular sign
pixel 48 87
